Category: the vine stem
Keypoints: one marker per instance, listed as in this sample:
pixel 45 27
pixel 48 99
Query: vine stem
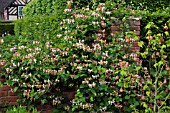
pixel 165 100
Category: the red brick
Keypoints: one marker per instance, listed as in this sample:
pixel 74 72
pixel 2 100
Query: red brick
pixel 69 94
pixel 10 93
pixel 135 22
pixel 40 108
pixel 115 28
pixel 134 49
pixel 137 33
pixel 3 93
pixel 118 22
pixel 9 99
pixel 5 88
pixel 137 28
pixel 135 44
pixel 48 111
pixel 12 103
pixel 2 80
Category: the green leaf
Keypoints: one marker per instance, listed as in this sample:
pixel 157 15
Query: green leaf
pixel 127 97
pixel 166 33
pixel 15 89
pixel 120 84
pixel 76 76
pixel 163 46
pixel 148 26
pixel 144 104
pixel 136 103
pixel 157 97
pixel 1 84
pixel 148 93
pixel 138 68
pixel 93 91
pixel 149 82
pixel 124 19
pixel 91 99
pixel 140 44
pixel 123 72
pixel 145 87
pixel 82 86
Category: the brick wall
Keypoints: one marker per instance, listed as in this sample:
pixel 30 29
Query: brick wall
pixel 134 26
pixel 7 96
pixel 10 98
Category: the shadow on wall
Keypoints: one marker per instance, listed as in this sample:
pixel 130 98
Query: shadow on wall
pixel 6 28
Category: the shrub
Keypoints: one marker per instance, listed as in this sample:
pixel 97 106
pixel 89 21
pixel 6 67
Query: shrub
pixel 94 62
pixel 44 7
pixel 152 79
pixel 151 5
pixel 42 19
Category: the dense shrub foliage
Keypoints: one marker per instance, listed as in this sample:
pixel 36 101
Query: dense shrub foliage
pixel 44 7
pixel 38 27
pixel 151 5
pixel 93 61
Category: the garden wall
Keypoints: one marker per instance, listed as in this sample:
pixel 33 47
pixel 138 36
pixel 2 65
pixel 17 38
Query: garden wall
pixel 8 97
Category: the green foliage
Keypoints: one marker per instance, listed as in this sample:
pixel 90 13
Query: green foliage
pixel 93 61
pixel 21 109
pixel 151 5
pixel 45 7
pixel 156 55
pixel 38 27
pixel 6 27
pixel 160 18
pixel 42 19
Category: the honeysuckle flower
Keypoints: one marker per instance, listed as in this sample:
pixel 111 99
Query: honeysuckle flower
pixel 30 74
pixel 47 44
pixel 59 35
pixel 79 67
pixel 13 64
pixel 108 12
pixel 111 102
pixel 85 82
pixel 90 70
pixel 103 23
pixel 101 4
pixel 139 62
pixel 35 42
pixel 90 85
pixel 67 10
pixel 87 9
pixel 34 60
pixel 70 20
pixel 1 41
pixel 2 62
pixel 16 54
pixel 69 2
pixel 98 9
pixel 95 14
pixel 109 71
pixel 102 9
pixel 13 49
pixel 21 47
pixel 38 49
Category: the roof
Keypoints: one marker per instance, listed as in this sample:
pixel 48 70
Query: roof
pixel 4 4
